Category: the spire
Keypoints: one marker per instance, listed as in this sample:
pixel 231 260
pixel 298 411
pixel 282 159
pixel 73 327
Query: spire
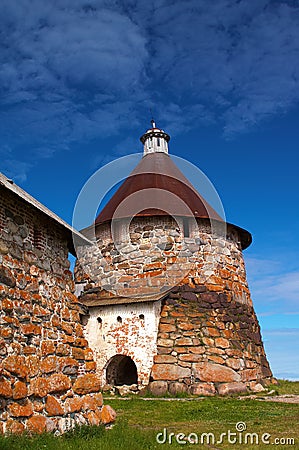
pixel 155 140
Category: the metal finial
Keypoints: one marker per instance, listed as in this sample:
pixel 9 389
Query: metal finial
pixel 153 120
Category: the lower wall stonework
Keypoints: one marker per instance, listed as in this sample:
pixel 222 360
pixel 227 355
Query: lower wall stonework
pixel 47 370
pixel 208 344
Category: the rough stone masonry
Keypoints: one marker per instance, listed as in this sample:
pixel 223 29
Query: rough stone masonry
pixel 48 379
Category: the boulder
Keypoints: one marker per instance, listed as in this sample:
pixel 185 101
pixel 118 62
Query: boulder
pixel 205 389
pixel 169 372
pixel 108 415
pixel 231 388
pixel 215 373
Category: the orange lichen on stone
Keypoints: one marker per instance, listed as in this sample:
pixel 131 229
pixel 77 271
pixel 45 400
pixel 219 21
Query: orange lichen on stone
pixel 19 390
pixel 5 388
pixel 86 384
pixel 58 382
pixel 21 410
pixel 108 414
pixel 53 406
pixel 16 365
pixel 39 387
pixel 37 424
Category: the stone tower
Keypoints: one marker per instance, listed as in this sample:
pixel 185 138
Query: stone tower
pixel 165 289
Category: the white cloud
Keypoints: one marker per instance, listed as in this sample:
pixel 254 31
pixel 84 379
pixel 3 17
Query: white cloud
pixel 274 286
pixel 279 344
pixel 73 71
pixel 68 73
pixel 279 287
pixel 240 59
pixel 15 169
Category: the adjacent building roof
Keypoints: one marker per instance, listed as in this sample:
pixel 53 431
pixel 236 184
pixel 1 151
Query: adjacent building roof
pixel 156 181
pixel 93 298
pixel 9 184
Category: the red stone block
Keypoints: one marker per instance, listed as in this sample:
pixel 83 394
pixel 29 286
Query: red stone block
pixel 216 359
pixel 206 389
pixel 37 424
pixel 90 366
pixel 47 348
pixel 16 365
pixel 49 364
pixel 221 342
pixel 158 359
pixel 94 418
pixel 33 364
pixel 169 372
pixel 89 403
pixel 7 305
pixel 5 388
pixel 190 357
pixel 215 373
pixel 81 342
pixel 88 354
pixel 164 327
pixel 78 353
pixel 63 350
pixel 21 410
pixel 53 406
pixel 86 384
pixel 59 382
pixel 231 388
pixel 213 332
pixel 19 390
pixel 39 387
pixel 14 427
pixel 108 415
pixel 31 329
pixel 73 405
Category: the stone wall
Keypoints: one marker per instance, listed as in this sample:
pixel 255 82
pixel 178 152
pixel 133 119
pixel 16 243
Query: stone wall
pixel 151 255
pixel 208 344
pixel 209 339
pixel 47 370
pixel 129 330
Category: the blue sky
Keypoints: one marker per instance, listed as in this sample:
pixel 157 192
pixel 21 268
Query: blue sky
pixel 78 79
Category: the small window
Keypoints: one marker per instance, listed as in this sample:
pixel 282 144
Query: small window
pixel 158 142
pixel 141 316
pixel 186 228
pixel 100 321
pixel 119 319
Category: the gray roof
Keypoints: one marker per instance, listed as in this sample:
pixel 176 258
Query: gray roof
pixel 19 192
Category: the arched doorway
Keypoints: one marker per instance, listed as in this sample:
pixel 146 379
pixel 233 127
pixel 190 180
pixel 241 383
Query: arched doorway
pixel 121 370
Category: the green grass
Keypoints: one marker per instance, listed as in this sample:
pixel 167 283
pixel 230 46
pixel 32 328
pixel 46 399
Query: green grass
pixel 286 387
pixel 139 421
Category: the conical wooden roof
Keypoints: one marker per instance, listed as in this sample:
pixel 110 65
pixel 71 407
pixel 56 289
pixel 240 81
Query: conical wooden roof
pixel 156 187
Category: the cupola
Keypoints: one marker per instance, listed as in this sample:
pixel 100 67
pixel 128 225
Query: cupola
pixel 155 140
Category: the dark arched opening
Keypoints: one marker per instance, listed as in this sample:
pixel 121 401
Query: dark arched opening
pixel 121 370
